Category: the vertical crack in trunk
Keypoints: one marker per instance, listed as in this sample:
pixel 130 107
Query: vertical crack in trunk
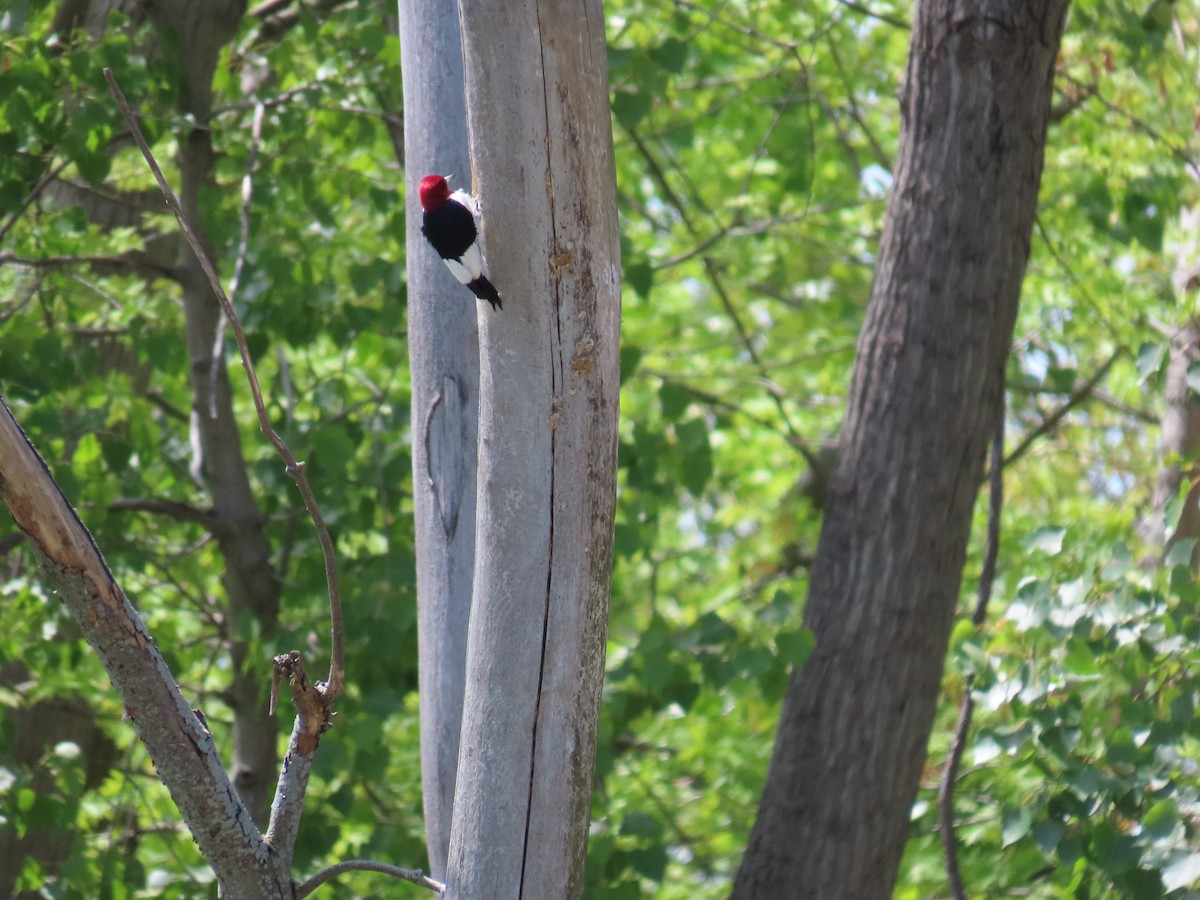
pixel 552 422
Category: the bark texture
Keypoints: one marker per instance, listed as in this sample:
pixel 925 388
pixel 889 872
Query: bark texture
pixel 443 352
pixel 926 390
pixel 541 145
pixel 1180 422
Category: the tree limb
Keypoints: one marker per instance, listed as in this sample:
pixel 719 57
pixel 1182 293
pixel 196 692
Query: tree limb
pixel 172 509
pixel 313 718
pixel 416 876
pixel 180 745
pixel 1051 421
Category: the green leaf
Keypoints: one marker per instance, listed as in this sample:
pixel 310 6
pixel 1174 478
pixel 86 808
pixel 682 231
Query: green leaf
pixel 1150 359
pixel 1014 825
pixel 116 453
pixel 1161 818
pixel 671 54
pixel 640 276
pixel 1115 853
pixel 640 824
pixel 1047 834
pixel 650 862
pixel 697 466
pixel 674 400
pixel 1145 220
pixel 631 106
pixel 1080 659
pixel 1180 553
pixel 1047 539
pixel 630 357
pixel 795 647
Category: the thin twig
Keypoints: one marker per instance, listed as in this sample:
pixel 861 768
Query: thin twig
pixel 894 21
pixel 172 509
pixel 1051 421
pixel 416 876
pixel 218 351
pixel 31 196
pixel 987 577
pixel 333 686
pixel 710 268
pixel 313 718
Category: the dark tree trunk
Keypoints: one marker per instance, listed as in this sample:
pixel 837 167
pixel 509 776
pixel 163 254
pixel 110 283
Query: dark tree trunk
pixel 927 385
pixel 251 584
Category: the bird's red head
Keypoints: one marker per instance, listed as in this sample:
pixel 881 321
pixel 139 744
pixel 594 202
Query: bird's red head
pixel 434 192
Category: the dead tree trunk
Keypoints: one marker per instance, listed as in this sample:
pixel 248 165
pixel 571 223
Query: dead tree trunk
pixel 541 146
pixel 443 352
pixel 926 390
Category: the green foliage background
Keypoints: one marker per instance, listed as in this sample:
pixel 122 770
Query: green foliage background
pixel 755 142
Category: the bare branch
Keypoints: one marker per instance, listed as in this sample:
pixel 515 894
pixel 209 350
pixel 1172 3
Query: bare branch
pixel 247 195
pixel 987 577
pixel 416 876
pixel 123 263
pixel 1051 421
pixel 313 718
pixel 172 509
pixel 337 665
pixel 218 351
pixel 718 284
pixel 42 184
pixel 871 14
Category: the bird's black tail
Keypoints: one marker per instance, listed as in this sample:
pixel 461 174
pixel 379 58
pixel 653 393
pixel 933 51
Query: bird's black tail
pixel 485 290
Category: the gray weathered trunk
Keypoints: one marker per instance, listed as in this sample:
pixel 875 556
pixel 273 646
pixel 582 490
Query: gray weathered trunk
pixel 926 391
pixel 443 352
pixel 541 145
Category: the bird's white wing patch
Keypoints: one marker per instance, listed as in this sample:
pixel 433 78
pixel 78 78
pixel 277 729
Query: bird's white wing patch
pixel 466 200
pixel 473 260
pixel 459 271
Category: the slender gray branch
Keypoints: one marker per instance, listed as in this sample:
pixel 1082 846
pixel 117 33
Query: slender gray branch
pixel 313 718
pixel 416 876
pixel 1051 421
pixel 337 665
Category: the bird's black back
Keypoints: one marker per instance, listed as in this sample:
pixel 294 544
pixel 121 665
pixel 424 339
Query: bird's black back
pixel 450 229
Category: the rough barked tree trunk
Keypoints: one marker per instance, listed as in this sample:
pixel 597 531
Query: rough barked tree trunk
pixel 251 584
pixel 1181 411
pixel 1179 441
pixel 541 147
pixel 443 353
pixel 926 390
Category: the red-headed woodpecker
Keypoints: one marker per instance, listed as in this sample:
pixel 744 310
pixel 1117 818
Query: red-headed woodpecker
pixel 449 225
